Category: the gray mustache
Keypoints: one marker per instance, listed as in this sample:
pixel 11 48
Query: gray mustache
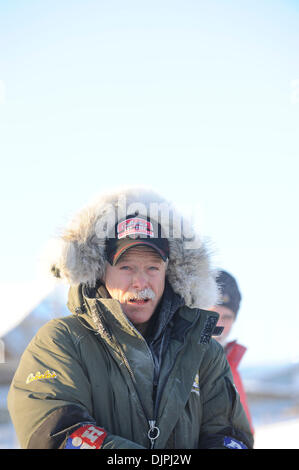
pixel 140 295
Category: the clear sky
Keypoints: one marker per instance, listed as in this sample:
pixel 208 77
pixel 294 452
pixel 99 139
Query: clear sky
pixel 198 99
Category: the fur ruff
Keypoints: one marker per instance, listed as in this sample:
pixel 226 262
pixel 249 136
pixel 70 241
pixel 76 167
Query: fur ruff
pixel 81 259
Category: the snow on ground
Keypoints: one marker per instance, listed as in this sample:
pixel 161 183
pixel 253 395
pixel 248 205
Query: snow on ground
pixel 8 438
pixel 281 435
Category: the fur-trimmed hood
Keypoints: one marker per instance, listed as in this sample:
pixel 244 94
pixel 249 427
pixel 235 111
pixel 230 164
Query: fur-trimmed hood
pixel 80 256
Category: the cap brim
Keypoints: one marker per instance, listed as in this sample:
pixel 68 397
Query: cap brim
pixel 139 242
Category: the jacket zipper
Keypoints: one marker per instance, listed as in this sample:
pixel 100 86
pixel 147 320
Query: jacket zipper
pixel 154 431
pixel 158 395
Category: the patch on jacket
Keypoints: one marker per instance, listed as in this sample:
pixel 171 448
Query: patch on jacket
pixel 86 437
pixel 46 375
pixel 231 443
pixel 195 386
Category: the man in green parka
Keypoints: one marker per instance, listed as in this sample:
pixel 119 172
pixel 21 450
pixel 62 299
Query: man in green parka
pixel 134 365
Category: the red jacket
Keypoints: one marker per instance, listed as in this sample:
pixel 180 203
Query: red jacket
pixel 234 353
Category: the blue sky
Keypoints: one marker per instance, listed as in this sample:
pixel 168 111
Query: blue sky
pixel 198 99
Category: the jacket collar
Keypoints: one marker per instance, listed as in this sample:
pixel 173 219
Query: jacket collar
pixel 81 299
pixel 99 309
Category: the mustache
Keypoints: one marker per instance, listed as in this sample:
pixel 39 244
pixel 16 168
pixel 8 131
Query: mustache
pixel 139 295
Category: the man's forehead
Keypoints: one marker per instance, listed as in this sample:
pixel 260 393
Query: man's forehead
pixel 139 254
pixel 223 311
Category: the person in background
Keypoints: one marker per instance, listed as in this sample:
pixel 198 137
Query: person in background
pixel 228 307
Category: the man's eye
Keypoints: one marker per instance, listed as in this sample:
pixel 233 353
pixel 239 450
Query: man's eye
pixel 154 268
pixel 124 268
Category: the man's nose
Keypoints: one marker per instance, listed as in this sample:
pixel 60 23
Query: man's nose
pixel 139 281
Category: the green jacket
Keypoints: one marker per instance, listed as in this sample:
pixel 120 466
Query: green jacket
pixel 94 368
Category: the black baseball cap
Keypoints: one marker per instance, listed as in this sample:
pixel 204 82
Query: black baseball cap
pixel 135 231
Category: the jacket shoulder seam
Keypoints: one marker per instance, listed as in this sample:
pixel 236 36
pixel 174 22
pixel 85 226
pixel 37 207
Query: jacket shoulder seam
pixel 71 326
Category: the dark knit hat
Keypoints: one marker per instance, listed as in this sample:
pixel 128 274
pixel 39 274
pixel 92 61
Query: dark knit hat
pixel 230 295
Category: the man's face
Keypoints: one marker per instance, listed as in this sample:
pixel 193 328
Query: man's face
pixel 138 271
pixel 226 319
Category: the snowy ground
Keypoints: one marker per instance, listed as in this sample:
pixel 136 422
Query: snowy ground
pixel 282 435
pixel 8 439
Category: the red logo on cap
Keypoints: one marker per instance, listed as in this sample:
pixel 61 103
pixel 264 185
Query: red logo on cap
pixel 134 227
